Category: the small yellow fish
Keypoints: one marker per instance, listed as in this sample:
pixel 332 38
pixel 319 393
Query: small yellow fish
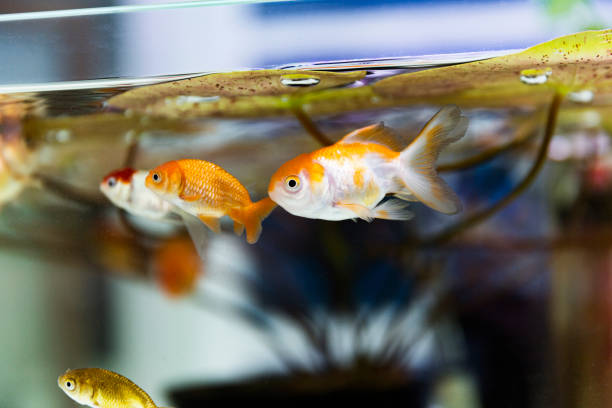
pixel 100 388
pixel 208 192
pixel 350 178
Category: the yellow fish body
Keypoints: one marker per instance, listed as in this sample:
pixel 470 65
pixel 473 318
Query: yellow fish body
pixel 100 388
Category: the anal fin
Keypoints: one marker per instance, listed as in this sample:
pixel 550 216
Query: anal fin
pixel 186 197
pixel 238 228
pixel 393 209
pixel 401 191
pixel 197 232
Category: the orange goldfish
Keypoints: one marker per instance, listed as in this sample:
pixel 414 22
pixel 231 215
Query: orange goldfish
pixel 177 266
pixel 350 178
pixel 205 190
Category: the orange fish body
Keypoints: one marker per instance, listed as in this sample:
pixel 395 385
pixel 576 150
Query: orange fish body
pixel 177 266
pixel 207 191
pixel 351 178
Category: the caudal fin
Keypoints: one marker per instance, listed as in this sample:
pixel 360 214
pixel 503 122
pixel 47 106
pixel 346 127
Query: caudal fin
pixel 417 161
pixel 252 216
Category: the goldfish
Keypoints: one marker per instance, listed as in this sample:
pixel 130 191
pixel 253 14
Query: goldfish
pixel 126 189
pixel 208 192
pixel 100 388
pixel 351 178
pixel 17 165
pixel 177 266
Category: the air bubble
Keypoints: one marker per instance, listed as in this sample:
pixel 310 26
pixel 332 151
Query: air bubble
pixel 299 80
pixel 535 76
pixel 584 96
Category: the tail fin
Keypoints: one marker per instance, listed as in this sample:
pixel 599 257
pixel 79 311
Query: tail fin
pixel 252 216
pixel 417 161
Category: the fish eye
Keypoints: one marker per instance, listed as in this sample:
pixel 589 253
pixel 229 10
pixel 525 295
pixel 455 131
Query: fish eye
pixel 292 183
pixel 111 182
pixel 70 384
pixel 156 177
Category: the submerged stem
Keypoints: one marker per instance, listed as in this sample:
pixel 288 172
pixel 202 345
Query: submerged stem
pixel 526 132
pixel 130 158
pixel 66 191
pixel 310 126
pixel 481 216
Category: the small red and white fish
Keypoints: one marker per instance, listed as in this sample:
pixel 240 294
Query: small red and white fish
pixel 205 190
pixel 350 178
pixel 126 189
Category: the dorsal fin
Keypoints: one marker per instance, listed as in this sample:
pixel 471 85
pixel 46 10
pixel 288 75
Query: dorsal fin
pixel 377 133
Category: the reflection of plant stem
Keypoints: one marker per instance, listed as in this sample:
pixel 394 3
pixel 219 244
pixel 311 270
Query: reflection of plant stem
pixel 130 158
pixel 66 191
pixel 310 126
pixel 482 157
pixel 525 133
pixel 481 216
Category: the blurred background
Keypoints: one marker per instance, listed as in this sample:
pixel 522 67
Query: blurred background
pixel 505 317
pixel 139 43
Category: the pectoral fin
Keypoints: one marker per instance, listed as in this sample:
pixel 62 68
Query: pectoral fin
pixel 187 197
pixel 393 209
pixel 197 232
pixel 211 222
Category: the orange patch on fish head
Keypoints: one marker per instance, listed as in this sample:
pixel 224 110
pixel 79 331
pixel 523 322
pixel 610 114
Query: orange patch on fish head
pixel 166 179
pixel 315 173
pixel 289 171
pixel 295 183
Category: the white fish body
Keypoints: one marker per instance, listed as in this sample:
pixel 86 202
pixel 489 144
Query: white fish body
pixel 351 178
pixel 126 189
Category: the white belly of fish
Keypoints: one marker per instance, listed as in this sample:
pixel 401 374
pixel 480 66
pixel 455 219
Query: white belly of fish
pixel 377 181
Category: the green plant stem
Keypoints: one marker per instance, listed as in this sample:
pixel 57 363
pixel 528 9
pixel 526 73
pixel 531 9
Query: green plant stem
pixel 524 135
pixel 67 192
pixel 310 126
pixel 481 157
pixel 481 216
pixel 132 152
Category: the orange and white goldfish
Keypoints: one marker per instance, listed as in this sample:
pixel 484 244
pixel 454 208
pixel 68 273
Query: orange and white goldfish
pixel 207 191
pixel 126 189
pixel 100 388
pixel 350 178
